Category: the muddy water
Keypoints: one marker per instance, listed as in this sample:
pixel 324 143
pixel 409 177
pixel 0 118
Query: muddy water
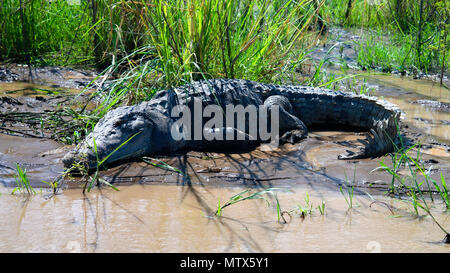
pixel 406 92
pixel 40 157
pixel 178 219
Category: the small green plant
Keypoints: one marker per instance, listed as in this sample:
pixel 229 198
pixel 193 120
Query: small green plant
pixel 53 185
pixel 321 208
pixel 247 195
pixel 241 197
pixel 418 201
pixel 279 213
pixel 307 209
pixel 219 208
pixel 348 200
pixel 443 192
pixel 350 190
pixel 23 184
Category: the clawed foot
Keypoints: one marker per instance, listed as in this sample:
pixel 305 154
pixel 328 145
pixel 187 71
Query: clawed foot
pixel 374 145
pixel 352 155
pixel 293 136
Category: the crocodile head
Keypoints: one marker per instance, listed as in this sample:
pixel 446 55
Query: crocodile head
pixel 121 134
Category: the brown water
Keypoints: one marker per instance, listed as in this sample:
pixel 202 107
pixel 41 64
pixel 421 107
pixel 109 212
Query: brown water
pixel 157 210
pixel 178 219
pixel 432 121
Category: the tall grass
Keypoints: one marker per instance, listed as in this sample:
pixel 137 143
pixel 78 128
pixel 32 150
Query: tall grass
pixel 234 39
pixel 191 40
pixel 63 32
pixel 44 32
pixel 409 35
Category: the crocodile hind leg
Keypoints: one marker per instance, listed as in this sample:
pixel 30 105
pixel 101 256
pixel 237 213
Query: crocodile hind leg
pixel 291 128
pixel 380 141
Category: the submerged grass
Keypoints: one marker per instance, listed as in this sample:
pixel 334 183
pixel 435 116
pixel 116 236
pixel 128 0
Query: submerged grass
pixel 414 189
pixel 349 190
pixel 22 182
pixel 248 195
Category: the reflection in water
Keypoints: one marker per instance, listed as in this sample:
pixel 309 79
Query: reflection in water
pixel 403 91
pixel 422 87
pixel 431 121
pixel 179 219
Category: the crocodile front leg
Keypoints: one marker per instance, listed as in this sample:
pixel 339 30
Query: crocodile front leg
pixel 292 129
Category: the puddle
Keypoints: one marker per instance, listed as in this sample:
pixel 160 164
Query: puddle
pixel 431 121
pixel 176 219
pixel 425 103
pixel 38 156
pixel 422 87
pixel 406 92
pixel 431 117
pixel 49 76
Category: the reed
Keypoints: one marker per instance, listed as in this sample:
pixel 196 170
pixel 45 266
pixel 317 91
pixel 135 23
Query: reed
pixel 22 182
pixel 192 40
pixel 403 35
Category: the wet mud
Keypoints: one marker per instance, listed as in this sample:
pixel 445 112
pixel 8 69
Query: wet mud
pixel 54 77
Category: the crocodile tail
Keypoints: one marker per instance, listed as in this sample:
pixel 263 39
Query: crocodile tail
pixel 383 124
pixel 322 107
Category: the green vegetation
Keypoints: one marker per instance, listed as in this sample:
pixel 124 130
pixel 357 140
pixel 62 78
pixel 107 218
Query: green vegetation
pixel 321 208
pixel 96 178
pixel 403 34
pixel 248 195
pixel 161 164
pixel 412 186
pixel 23 184
pixel 241 197
pixel 349 189
pixel 307 209
pixel 44 32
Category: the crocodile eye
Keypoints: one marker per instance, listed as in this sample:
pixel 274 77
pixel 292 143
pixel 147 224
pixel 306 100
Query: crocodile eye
pixel 118 122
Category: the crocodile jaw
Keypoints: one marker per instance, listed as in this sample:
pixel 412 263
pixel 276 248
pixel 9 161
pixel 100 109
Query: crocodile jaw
pixel 123 133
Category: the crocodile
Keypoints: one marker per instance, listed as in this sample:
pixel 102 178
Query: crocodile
pixel 130 132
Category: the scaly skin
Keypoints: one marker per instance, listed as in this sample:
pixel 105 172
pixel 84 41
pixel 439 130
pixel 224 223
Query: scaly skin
pixel 300 107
